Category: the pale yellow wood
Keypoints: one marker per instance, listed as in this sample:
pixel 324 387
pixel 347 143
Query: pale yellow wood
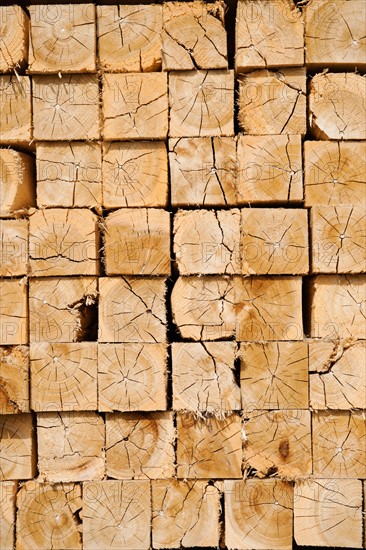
pixel 207 241
pixel 62 310
pixel 339 444
pixel 328 512
pixel 338 306
pixel 135 106
pixel 15 110
pixel 274 375
pixel 335 172
pixel 204 307
pixel 65 108
pixel 337 106
pixel 17 449
pixel 63 376
pixel 135 174
pixel 132 310
pixel 8 490
pixel 14 24
pixel 201 103
pixel 278 442
pixel 129 37
pixel 364 515
pixel 116 515
pixel 63 242
pixel 132 377
pixel 18 189
pixel 338 239
pixel 258 514
pixel 13 247
pixel 48 516
pixel 335 33
pixel 14 379
pixel 70 446
pixel 203 377
pixel 269 308
pixel 194 36
pixel 137 242
pixel 269 169
pixel 140 445
pixel 337 374
pixel 273 102
pixel 62 38
pixel 209 448
pixel 268 34
pixel 203 171
pixel 13 312
pixel 274 241
pixel 185 513
pixel 69 174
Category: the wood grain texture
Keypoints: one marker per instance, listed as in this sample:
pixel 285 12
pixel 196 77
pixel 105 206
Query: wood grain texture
pixel 201 103
pixel 203 171
pixel 268 34
pixel 135 106
pixel 68 174
pixel 17 183
pixel 132 377
pixel 273 102
pixel 14 379
pixel 140 445
pixel 7 514
pixel 135 174
pixel 203 378
pixel 129 38
pixel 66 108
pixel 14 247
pixel 335 172
pixel 258 514
pixel 194 36
pixel 328 511
pixel 15 110
pixel 48 516
pixel 185 513
pixel 337 104
pixel 62 38
pixel 132 310
pixel 14 24
pixel 117 515
pixel 70 446
pixel 18 450
pixel 334 33
pixel 137 242
pixel 63 376
pixel 208 449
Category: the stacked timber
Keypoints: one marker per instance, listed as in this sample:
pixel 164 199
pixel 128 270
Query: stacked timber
pixel 183 273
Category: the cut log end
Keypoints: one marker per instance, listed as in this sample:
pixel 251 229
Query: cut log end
pixel 129 38
pixel 125 526
pixel 337 105
pixel 201 103
pixel 328 512
pixel 14 379
pixel 194 36
pixel 334 34
pixel 273 102
pixel 268 35
pixel 14 24
pixel 62 38
pixel 70 446
pixel 54 511
pixel 140 445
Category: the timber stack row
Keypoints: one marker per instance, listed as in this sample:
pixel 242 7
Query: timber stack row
pixel 182 271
